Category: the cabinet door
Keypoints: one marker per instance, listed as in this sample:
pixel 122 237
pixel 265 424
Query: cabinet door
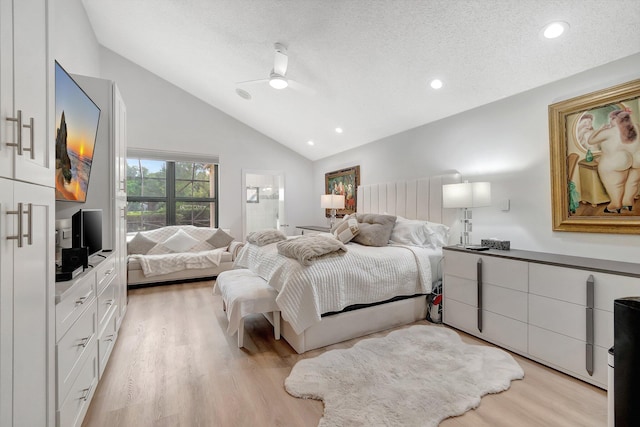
pixel 7 129
pixel 7 227
pixel 30 289
pixel 32 88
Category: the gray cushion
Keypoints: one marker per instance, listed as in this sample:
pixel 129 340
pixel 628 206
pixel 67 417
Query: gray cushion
pixel 220 239
pixel 140 245
pixel 375 230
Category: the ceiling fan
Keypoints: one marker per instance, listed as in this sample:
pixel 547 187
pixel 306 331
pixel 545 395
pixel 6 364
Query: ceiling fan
pixel 277 78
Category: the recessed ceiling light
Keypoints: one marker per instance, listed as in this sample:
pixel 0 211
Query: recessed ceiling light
pixel 339 130
pixel 554 29
pixel 310 142
pixel 243 94
pixel 436 83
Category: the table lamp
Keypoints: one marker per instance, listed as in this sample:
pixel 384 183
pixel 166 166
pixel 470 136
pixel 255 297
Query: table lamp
pixel 333 202
pixel 466 195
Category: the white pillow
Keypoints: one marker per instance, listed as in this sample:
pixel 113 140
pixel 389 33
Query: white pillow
pixel 419 233
pixel 438 234
pixel 180 242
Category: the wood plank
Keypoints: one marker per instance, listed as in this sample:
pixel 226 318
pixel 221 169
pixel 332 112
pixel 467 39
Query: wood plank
pixel 173 364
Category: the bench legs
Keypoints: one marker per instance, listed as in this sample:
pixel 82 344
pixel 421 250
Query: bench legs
pixel 275 320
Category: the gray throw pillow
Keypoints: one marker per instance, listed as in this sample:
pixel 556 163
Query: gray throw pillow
pixel 374 229
pixel 220 239
pixel 140 245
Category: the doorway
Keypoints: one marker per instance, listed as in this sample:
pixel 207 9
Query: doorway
pixel 263 201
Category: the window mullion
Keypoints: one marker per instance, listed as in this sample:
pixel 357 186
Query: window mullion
pixel 171 193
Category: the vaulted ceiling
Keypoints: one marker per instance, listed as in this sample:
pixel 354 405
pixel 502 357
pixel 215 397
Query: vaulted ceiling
pixel 366 64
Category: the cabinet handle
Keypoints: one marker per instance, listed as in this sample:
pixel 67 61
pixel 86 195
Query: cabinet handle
pixel 109 302
pixel 18 236
pixel 87 393
pixel 109 337
pixel 590 324
pixel 29 234
pixel 18 143
pixel 31 150
pixel 81 300
pixel 479 279
pixel 84 342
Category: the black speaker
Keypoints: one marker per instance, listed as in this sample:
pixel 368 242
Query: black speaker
pixel 73 258
pixel 626 344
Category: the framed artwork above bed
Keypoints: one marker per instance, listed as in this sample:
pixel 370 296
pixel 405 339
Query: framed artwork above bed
pixel 344 182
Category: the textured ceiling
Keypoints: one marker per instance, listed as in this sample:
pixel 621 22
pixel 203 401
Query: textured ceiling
pixel 368 61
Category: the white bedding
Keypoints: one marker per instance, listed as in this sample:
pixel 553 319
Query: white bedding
pixel 363 275
pixel 155 265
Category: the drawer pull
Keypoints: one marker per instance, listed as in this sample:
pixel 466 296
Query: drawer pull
pixel 87 393
pixel 108 272
pixel 479 278
pixel 590 325
pixel 81 300
pixel 109 302
pixel 84 342
pixel 109 337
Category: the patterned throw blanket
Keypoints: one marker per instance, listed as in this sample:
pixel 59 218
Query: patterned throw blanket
pixel 305 249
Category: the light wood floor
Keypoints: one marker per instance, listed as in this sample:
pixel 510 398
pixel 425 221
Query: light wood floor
pixel 174 365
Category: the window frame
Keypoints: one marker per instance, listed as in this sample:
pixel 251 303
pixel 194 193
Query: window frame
pixel 170 199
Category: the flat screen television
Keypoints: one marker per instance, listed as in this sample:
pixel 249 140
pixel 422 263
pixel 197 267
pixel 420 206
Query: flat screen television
pixel 77 118
pixel 86 230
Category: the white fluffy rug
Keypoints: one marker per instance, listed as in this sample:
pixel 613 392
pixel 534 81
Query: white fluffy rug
pixel 416 376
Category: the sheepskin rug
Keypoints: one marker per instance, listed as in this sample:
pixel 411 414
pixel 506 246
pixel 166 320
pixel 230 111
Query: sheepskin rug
pixel 416 376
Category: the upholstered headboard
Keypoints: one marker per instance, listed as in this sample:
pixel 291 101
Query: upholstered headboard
pixel 412 199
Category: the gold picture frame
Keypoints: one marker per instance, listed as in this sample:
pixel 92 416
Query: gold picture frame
pixel 344 181
pixel 595 161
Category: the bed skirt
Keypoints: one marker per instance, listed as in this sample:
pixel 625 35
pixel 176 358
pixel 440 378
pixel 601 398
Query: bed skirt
pixel 356 323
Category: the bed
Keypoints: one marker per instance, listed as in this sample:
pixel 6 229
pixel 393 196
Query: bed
pixel 367 289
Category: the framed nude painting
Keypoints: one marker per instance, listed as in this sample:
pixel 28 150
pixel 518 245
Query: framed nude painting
pixel 344 182
pixel 595 161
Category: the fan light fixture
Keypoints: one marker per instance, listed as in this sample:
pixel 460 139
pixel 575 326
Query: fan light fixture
pixel 277 81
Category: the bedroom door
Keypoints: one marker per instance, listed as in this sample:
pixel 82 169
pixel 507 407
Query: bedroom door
pixel 263 201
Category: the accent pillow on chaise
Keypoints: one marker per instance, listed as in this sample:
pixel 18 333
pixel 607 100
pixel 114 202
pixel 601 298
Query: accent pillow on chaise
pixel 140 244
pixel 220 239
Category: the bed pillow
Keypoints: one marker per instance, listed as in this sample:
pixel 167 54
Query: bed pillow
pixel 375 230
pixel 410 232
pixel 180 242
pixel 419 233
pixel 140 245
pixel 438 233
pixel 346 230
pixel 220 239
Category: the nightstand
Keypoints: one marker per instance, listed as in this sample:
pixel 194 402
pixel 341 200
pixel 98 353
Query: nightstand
pixel 312 229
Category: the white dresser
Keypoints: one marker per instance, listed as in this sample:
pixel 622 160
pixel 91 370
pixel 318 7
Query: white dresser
pixel 86 330
pixel 555 309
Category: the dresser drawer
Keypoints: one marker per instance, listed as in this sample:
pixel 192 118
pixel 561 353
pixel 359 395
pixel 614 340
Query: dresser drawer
pixel 496 271
pixel 71 351
pixel 106 301
pixel 72 411
pixel 106 340
pixel 104 271
pixel 461 289
pixel 71 307
pixel 568 355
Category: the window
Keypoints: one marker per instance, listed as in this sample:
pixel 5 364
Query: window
pixel 166 192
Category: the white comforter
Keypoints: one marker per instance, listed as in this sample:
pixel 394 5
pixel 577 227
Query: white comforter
pixel 363 275
pixel 155 265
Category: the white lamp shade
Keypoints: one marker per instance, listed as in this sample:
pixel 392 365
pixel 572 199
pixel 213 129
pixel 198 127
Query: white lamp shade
pixel 332 201
pixel 466 195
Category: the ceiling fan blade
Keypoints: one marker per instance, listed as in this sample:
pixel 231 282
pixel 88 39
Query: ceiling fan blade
pixel 248 82
pixel 301 88
pixel 280 60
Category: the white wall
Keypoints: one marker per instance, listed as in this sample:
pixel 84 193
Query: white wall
pixel 507 143
pixel 162 116
pixel 74 45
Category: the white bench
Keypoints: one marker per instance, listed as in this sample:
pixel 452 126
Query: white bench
pixel 243 293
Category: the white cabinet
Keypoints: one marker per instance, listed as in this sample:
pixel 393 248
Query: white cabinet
pixel 86 331
pixel 494 308
pixel 26 146
pixel 555 309
pixel 26 304
pixel 26 208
